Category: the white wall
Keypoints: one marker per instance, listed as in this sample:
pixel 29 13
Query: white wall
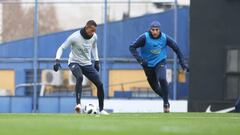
pixel 75 15
pixel 138 105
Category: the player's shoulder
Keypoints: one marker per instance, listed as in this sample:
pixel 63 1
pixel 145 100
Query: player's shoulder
pixel 95 36
pixel 164 34
pixel 74 35
pixel 142 36
pixel 167 36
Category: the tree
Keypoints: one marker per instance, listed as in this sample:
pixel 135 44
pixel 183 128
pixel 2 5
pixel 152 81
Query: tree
pixel 18 21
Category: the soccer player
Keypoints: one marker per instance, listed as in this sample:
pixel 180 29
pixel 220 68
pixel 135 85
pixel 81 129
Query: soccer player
pixel 83 43
pixel 153 47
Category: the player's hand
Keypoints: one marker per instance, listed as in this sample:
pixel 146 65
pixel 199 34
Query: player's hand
pixel 97 65
pixel 144 63
pixel 57 65
pixel 185 67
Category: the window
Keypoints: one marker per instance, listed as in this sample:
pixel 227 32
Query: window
pixel 233 60
pixel 7 82
pixel 29 79
pixel 233 73
pixel 232 87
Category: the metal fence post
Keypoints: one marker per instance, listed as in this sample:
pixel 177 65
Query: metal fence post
pixel 105 49
pixel 174 55
pixel 35 61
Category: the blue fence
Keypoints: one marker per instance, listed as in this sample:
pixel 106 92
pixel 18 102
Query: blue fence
pixel 23 104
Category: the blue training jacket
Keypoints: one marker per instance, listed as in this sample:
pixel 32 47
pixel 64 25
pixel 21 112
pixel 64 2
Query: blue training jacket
pixel 154 50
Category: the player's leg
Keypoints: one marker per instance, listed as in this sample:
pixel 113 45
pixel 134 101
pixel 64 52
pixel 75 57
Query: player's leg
pixel 160 71
pixel 77 72
pixel 152 80
pixel 91 73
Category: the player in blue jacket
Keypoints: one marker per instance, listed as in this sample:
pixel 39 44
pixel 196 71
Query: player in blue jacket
pixel 153 49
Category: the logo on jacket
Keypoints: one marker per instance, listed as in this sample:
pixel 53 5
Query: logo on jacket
pixel 156 51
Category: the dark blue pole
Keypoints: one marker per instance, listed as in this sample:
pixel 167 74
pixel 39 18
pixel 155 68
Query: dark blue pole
pixel 105 74
pixel 35 57
pixel 175 57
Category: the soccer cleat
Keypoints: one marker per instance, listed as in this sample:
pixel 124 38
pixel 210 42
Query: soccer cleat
pixel 78 108
pixel 166 108
pixel 103 112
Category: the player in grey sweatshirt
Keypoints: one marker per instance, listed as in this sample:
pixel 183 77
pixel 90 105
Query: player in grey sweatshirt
pixel 83 43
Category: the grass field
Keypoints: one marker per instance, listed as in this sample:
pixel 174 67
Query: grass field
pixel 121 124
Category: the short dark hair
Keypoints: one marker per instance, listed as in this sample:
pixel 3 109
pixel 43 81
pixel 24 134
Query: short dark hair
pixel 91 22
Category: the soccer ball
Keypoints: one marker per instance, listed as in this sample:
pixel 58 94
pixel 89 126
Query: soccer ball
pixel 90 109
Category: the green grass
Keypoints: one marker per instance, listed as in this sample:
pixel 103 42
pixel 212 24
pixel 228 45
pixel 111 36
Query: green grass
pixel 121 124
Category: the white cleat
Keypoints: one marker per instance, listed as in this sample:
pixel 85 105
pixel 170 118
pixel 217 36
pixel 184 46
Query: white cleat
pixel 78 108
pixel 103 112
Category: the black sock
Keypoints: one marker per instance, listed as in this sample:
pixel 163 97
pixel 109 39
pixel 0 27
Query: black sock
pixel 100 94
pixel 164 86
pixel 155 85
pixel 78 90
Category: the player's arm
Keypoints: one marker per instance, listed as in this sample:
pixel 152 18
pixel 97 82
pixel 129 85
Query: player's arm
pixel 60 50
pixel 172 44
pixel 140 42
pixel 95 55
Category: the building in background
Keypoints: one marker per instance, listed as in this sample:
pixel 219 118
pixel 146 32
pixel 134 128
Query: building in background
pixel 16 18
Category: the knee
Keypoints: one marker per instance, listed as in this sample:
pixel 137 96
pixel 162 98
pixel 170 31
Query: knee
pixel 153 84
pixel 100 84
pixel 79 78
pixel 163 81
